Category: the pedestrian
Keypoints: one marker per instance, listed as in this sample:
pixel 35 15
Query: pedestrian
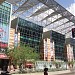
pixel 21 67
pixel 45 71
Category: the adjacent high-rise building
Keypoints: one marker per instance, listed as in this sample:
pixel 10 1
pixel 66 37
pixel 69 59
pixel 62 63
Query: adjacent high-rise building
pixel 30 33
pixel 11 38
pixel 53 46
pixel 14 38
pixel 5 13
pixel 47 51
pixel 70 49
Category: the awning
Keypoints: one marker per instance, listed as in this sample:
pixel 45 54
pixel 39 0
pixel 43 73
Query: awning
pixel 3 45
pixel 3 56
pixel 29 64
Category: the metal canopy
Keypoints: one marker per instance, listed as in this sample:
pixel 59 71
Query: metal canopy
pixel 59 19
pixel 58 8
pixel 62 24
pixel 41 10
pixel 52 14
pixel 56 20
pixel 26 5
pixel 47 13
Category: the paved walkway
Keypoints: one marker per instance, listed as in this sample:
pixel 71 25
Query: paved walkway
pixel 49 73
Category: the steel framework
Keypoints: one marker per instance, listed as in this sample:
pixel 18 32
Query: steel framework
pixel 48 13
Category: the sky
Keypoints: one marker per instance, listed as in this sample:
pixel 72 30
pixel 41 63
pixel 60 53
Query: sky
pixel 68 4
pixel 65 3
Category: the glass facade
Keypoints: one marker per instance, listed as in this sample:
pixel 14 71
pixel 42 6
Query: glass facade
pixel 5 11
pixel 30 33
pixel 59 43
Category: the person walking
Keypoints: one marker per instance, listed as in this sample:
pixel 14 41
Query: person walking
pixel 45 71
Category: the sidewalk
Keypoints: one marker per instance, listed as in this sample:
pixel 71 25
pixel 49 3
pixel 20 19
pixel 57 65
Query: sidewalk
pixel 49 73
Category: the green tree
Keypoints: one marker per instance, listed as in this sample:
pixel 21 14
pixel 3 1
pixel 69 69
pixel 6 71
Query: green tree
pixel 22 53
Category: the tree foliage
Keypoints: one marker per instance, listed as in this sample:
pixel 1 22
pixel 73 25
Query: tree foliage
pixel 23 53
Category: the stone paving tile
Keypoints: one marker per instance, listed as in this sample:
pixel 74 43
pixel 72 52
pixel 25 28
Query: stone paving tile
pixel 49 73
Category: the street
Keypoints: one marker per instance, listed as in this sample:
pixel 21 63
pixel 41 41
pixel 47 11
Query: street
pixel 65 72
pixel 71 73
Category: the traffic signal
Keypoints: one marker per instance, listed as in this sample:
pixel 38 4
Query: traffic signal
pixel 73 32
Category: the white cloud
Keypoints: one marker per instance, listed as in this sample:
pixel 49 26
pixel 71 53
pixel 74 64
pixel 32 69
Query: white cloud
pixel 71 8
